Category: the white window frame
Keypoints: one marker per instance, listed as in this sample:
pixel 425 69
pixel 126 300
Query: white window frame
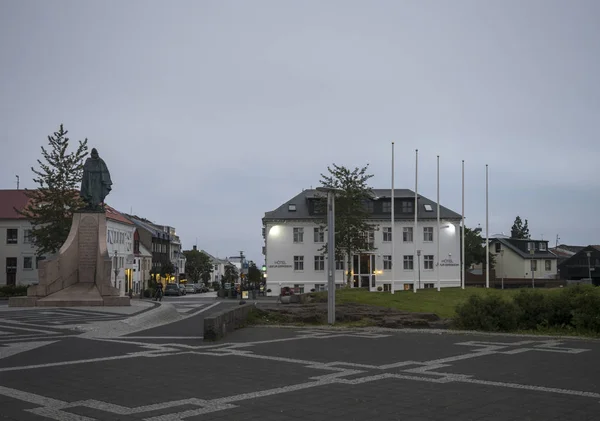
pixel 298 235
pixel 27 237
pixel 546 264
pixel 25 258
pixel 387 262
pixel 428 262
pixel 387 234
pixel 318 235
pixel 428 234
pixel 319 263
pixel 298 263
pixel 407 234
pixel 408 262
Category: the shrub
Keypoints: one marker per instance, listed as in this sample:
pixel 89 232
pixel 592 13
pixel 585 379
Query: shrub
pixel 586 310
pixel 13 290
pixel 489 313
pixel 533 309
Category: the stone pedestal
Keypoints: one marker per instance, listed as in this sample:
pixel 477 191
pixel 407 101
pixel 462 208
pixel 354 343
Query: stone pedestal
pixel 79 275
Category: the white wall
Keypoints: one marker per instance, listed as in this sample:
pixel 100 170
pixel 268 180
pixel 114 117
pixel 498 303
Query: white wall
pixel 280 252
pixel 119 238
pixel 22 251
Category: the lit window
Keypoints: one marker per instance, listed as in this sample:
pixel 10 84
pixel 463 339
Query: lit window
pixel 428 208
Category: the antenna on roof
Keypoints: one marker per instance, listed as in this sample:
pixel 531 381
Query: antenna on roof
pixel 557 238
pixel 17 182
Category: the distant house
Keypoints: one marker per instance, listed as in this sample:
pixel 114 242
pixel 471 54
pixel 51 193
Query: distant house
pixel 563 252
pixel 517 258
pixel 582 265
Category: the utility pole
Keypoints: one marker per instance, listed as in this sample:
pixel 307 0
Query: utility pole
pixel 241 274
pixel 17 182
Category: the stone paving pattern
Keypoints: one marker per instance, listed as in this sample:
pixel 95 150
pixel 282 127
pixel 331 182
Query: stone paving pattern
pixel 168 373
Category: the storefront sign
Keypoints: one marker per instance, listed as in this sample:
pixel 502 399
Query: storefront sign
pixel 448 262
pixel 279 264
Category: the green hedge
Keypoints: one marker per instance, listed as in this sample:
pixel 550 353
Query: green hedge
pixel 575 308
pixel 13 291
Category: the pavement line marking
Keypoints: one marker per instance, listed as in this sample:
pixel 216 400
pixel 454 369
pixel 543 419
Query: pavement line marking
pixel 159 337
pixel 30 397
pixel 18 348
pixel 204 309
pixel 533 388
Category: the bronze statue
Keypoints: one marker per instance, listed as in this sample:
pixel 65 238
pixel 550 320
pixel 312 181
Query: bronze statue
pixel 96 182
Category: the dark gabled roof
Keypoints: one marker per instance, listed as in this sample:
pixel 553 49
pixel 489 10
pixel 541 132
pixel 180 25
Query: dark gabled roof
pixel 572 249
pixel 148 226
pixel 574 259
pixel 519 246
pixel 301 201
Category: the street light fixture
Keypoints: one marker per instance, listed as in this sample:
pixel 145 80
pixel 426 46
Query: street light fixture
pixel 331 191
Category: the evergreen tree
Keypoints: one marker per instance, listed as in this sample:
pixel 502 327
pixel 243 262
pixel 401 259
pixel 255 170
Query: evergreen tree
pixel 519 229
pixel 351 211
pixel 51 206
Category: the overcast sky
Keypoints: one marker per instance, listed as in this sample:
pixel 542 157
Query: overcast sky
pixel 209 113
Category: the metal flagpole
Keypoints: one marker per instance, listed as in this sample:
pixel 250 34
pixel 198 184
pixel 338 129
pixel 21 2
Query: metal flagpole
pixel 415 236
pixel 438 224
pixel 464 270
pixel 393 226
pixel 487 232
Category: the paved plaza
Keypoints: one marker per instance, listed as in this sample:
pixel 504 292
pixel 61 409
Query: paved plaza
pixel 54 368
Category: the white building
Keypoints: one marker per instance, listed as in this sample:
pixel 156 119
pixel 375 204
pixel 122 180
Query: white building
pixel 218 266
pixel 120 238
pixel 18 263
pixel 293 242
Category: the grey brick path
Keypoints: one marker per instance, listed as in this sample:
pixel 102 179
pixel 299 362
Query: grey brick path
pixel 167 374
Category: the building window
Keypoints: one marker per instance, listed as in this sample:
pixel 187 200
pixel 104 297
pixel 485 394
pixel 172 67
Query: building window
pixel 368 206
pixel 27 238
pixel 428 262
pixel 498 247
pixel 319 287
pixel 298 288
pixel 407 234
pixel 387 234
pixel 530 246
pixel 407 207
pixel 386 207
pixel 369 238
pixel 542 246
pixel 548 264
pixel 339 263
pixel 298 263
pixel 429 285
pixel 319 235
pixel 428 234
pixel 28 262
pixel 12 235
pixel 428 208
pixel 387 262
pixel 408 263
pixel 298 235
pixel 534 265
pixel 319 263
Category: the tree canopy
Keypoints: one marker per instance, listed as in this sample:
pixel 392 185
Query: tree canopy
pixel 475 249
pixel 352 230
pixel 519 229
pixel 51 205
pixel 198 265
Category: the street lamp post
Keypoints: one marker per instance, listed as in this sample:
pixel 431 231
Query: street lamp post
pixel 502 258
pixel 589 256
pixel 419 266
pixel 330 251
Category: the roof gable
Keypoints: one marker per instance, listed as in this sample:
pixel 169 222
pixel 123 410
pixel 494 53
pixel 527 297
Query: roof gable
pixel 11 199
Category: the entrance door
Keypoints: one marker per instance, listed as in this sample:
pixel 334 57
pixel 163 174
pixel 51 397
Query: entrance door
pixel 11 271
pixel 363 267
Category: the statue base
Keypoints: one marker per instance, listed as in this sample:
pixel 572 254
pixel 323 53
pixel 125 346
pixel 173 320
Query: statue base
pixel 79 275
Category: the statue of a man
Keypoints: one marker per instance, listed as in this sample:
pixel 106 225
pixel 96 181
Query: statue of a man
pixel 96 183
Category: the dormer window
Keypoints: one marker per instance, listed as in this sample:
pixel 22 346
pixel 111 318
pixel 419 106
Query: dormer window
pixel 542 246
pixel 292 207
pixel 428 208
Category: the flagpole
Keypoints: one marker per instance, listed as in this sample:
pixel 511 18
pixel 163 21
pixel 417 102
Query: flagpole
pixel 438 223
pixel 464 270
pixel 393 223
pixel 416 257
pixel 487 232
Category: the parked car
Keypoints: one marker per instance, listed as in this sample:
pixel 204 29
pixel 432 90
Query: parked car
pixel 182 289
pixel 190 289
pixel 172 289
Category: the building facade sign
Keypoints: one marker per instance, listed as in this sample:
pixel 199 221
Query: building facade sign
pixel 280 264
pixel 448 262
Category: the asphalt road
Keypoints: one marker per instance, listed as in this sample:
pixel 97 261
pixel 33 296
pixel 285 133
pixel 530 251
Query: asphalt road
pixel 168 373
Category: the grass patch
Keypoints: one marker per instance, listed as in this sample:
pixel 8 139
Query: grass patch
pixel 442 303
